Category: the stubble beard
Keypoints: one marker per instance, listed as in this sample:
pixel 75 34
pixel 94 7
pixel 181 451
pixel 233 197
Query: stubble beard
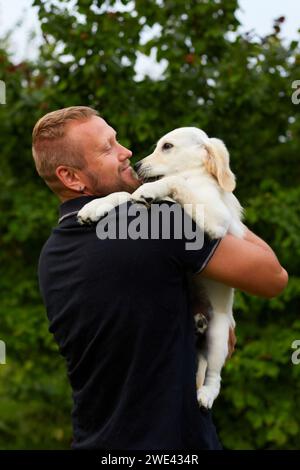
pixel 97 188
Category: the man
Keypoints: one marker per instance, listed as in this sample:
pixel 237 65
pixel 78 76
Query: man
pixel 119 309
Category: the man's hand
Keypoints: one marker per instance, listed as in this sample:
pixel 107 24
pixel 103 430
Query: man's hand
pixel 231 342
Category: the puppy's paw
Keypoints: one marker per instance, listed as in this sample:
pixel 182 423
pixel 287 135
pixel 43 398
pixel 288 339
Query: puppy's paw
pixel 93 211
pixel 206 396
pixel 149 192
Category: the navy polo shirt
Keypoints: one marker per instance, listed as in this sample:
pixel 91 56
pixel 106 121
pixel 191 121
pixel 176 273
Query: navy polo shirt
pixel 119 311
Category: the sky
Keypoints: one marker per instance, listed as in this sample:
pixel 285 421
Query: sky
pixel 253 14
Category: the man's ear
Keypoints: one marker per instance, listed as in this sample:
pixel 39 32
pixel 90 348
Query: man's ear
pixel 69 178
pixel 217 163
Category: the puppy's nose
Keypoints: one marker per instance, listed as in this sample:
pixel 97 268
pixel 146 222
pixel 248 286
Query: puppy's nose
pixel 137 166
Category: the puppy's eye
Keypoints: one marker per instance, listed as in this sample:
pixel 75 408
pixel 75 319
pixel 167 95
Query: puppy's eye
pixel 167 146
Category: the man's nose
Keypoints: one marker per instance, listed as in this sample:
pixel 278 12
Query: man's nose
pixel 125 153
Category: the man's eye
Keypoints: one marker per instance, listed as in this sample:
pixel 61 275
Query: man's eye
pixel 167 146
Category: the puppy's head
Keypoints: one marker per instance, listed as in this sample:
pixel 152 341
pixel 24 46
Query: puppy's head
pixel 185 149
pixel 175 152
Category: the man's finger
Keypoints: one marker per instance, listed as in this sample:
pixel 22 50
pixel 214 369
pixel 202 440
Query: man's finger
pixel 231 342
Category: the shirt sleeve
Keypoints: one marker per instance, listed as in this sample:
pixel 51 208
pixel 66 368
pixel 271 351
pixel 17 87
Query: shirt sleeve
pixel 197 260
pixel 195 247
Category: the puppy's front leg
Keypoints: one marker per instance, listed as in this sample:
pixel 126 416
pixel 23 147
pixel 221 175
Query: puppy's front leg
pixel 174 187
pixel 157 190
pixel 94 210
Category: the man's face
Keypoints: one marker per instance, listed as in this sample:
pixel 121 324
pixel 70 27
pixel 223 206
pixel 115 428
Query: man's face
pixel 107 167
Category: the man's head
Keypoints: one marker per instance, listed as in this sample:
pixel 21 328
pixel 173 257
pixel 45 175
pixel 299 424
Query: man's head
pixel 76 152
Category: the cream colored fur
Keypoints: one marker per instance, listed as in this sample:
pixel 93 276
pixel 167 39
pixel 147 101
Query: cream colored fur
pixel 193 169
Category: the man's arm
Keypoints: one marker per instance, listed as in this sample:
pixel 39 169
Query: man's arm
pixel 248 264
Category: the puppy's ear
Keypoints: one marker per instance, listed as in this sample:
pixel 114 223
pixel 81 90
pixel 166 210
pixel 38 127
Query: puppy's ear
pixel 217 163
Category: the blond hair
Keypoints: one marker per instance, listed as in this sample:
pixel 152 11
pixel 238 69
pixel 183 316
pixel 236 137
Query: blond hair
pixel 51 146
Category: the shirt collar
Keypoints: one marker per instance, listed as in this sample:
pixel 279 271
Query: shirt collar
pixel 74 205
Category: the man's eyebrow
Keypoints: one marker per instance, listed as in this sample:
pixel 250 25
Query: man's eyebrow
pixel 113 132
pixel 106 139
pixel 110 137
pixel 113 136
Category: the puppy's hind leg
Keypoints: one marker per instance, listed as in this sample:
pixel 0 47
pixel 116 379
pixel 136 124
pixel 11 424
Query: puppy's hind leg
pixel 221 299
pixel 217 338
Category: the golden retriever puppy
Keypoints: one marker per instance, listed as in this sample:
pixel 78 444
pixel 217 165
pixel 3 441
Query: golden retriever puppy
pixel 193 170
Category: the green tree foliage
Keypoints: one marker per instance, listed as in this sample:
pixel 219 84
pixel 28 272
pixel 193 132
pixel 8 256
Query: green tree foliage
pixel 236 87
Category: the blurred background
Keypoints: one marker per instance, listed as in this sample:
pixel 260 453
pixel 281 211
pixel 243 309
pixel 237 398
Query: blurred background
pixel 228 67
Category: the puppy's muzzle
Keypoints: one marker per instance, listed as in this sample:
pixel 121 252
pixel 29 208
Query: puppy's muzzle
pixel 137 167
pixel 144 172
